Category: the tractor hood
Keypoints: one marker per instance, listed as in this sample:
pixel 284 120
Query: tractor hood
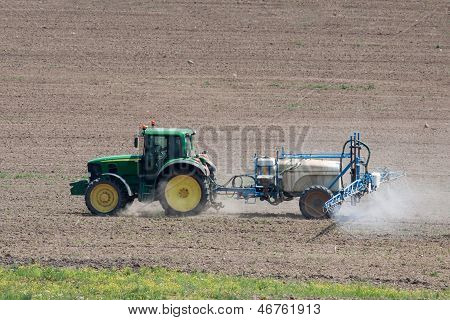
pixel 125 166
pixel 116 159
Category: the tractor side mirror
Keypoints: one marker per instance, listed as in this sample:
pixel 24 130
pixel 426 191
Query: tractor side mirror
pixel 136 142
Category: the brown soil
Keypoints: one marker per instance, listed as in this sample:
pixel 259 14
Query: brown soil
pixel 77 79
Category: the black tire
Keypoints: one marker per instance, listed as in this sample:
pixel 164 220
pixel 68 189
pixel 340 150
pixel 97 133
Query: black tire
pixel 202 183
pixel 312 201
pixel 93 205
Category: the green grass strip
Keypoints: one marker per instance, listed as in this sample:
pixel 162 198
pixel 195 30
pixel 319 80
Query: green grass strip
pixel 36 282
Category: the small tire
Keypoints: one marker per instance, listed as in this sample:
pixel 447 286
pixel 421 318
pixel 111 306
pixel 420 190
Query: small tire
pixel 105 197
pixel 312 201
pixel 183 193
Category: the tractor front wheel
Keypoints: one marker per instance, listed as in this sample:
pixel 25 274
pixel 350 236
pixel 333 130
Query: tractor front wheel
pixel 105 197
pixel 183 192
pixel 312 201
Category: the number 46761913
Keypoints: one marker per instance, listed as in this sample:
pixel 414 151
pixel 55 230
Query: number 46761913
pixel 284 308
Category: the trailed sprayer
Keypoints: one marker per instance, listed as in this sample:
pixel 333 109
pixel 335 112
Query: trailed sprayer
pixel 170 170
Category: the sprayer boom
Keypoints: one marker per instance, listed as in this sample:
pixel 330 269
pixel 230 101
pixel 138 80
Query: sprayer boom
pixel 387 175
pixel 355 190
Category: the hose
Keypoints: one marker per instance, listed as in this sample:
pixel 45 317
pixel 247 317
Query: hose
pixel 365 164
pixel 290 168
pixel 233 180
pixel 368 155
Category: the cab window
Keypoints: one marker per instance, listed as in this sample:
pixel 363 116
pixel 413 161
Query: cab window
pixel 175 147
pixel 164 147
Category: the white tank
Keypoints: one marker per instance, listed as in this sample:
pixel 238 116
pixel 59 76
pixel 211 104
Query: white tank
pixel 299 174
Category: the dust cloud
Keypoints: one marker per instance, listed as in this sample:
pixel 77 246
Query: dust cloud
pixel 154 209
pixel 143 209
pixel 401 201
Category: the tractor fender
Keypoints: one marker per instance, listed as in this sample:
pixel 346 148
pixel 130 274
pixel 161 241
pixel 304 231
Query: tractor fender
pixel 122 180
pixel 209 163
pixel 183 162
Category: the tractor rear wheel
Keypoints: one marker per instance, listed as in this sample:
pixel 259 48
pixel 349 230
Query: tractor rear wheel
pixel 105 197
pixel 312 201
pixel 183 192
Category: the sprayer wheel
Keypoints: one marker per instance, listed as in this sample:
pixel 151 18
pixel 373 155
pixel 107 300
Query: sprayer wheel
pixel 312 201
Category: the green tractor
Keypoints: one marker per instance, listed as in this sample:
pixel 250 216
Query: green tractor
pixel 167 170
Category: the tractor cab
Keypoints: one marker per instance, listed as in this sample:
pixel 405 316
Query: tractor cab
pixel 161 147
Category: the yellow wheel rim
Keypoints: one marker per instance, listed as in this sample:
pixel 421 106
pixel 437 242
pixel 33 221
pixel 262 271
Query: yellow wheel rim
pixel 183 193
pixel 104 197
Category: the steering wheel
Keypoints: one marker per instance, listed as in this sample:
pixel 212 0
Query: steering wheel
pixel 159 152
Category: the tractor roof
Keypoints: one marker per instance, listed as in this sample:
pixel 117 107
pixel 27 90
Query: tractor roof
pixel 168 131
